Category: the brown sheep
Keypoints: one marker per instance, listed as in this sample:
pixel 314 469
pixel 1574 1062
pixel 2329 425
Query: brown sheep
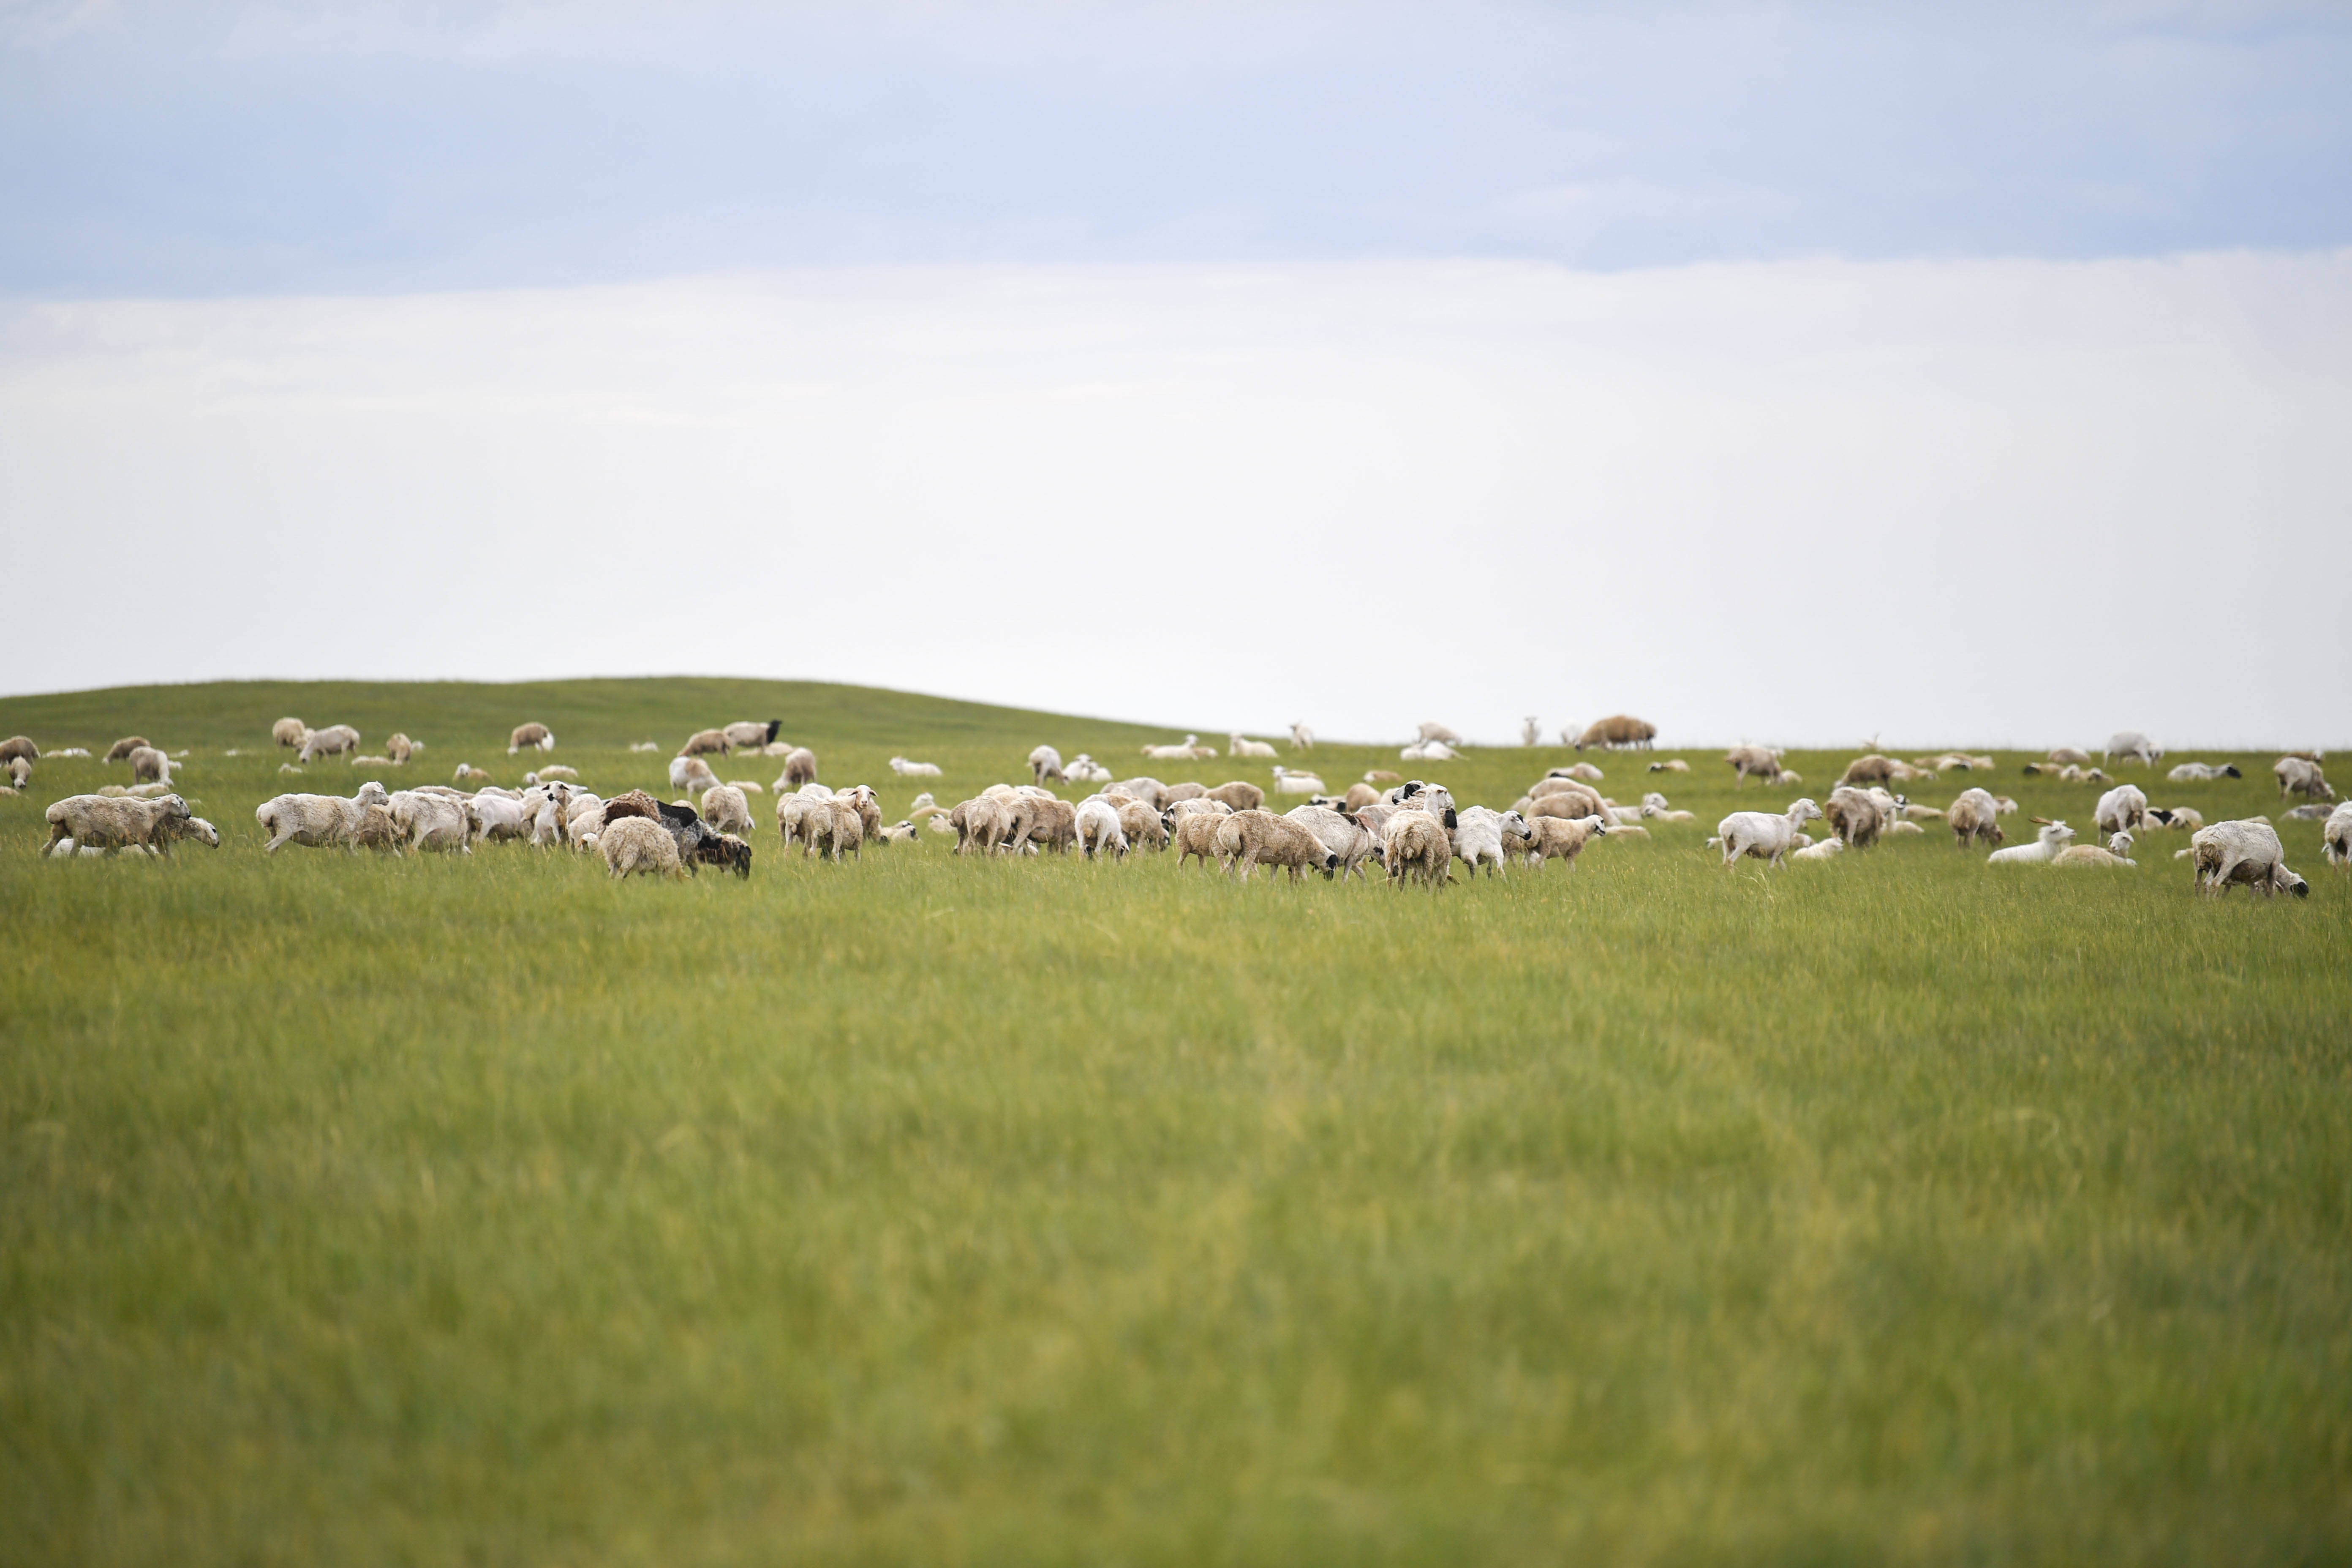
pixel 1871 769
pixel 1048 823
pixel 1561 838
pixel 1248 839
pixel 1177 792
pixel 149 765
pixel 533 735
pixel 1974 816
pixel 1360 796
pixel 1752 761
pixel 1142 826
pixel 1415 844
pixel 1575 802
pixel 1617 730
pixel 1240 796
pixel 19 748
pixel 703 742
pixel 1855 817
pixel 121 750
pixel 1195 834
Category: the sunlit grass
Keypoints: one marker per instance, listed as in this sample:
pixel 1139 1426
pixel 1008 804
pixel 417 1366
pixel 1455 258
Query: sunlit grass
pixel 930 1210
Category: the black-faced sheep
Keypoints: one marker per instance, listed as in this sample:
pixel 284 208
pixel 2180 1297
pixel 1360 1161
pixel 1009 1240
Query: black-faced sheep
pixel 750 734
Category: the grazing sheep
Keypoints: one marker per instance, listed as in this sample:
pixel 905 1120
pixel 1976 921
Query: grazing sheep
pixel 2052 837
pixel 2202 772
pixel 426 821
pixel 832 827
pixel 538 735
pixel 1415 845
pixel 725 808
pixel 1142 826
pixel 2117 853
pixel 1973 816
pixel 400 748
pixel 691 776
pixel 289 731
pixel 1248 839
pixel 2309 811
pixel 1480 835
pixel 1360 796
pixel 1098 829
pixel 121 750
pixel 1194 834
pixel 1761 834
pixel 1874 769
pixel 93 821
pixel 725 851
pixel 2245 853
pixel 2131 746
pixel 1340 834
pixel 493 817
pixel 1855 816
pixel 332 742
pixel 639 844
pixel 750 735
pixel 906 770
pixel 1238 745
pixel 317 821
pixel 1048 823
pixel 800 768
pixel 1568 798
pixel 1431 730
pixel 2335 838
pixel 2299 776
pixel 2123 810
pixel 704 743
pixel 149 765
pixel 20 772
pixel 1287 782
pixel 1752 761
pixel 1179 793
pixel 1046 763
pixel 1619 730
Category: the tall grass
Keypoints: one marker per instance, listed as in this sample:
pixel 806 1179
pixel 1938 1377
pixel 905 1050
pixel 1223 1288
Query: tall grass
pixel 1892 1209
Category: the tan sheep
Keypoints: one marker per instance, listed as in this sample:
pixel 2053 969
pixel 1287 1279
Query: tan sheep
pixel 121 751
pixel 532 734
pixel 1855 817
pixel 1248 839
pixel 1360 796
pixel 832 827
pixel 1142 826
pixel 1048 824
pixel 1752 761
pixel 1617 730
pixel 400 748
pixel 1195 834
pixel 704 743
pixel 1416 846
pixel 725 808
pixel 639 844
pixel 149 765
pixel 800 768
pixel 1240 796
pixel 1974 816
pixel 92 821
pixel 289 731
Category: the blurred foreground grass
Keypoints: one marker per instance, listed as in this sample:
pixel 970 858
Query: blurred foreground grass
pixel 1892 1210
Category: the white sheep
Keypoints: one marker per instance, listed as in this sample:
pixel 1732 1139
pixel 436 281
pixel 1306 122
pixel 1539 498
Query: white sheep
pixel 1762 834
pixel 725 808
pixel 2123 810
pixel 316 821
pixel 1654 805
pixel 906 770
pixel 1240 746
pixel 1191 751
pixel 691 776
pixel 427 821
pixel 1084 769
pixel 2202 772
pixel 1415 847
pixel 1429 751
pixel 2247 852
pixel 2336 837
pixel 1479 836
pixel 1432 730
pixel 497 817
pixel 2053 837
pixel 1046 763
pixel 2131 746
pixel 1340 834
pixel 1302 739
pixel 1287 782
pixel 1827 850
pixel 2296 775
pixel 642 844
pixel 1098 829
pixel 332 742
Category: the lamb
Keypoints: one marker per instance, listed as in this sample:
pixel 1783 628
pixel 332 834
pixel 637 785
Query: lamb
pixel 2053 837
pixel 750 734
pixel 1302 739
pixel 149 765
pixel 1415 845
pixel 2298 775
pixel 1654 805
pixel 1237 745
pixel 2336 837
pixel 725 808
pixel 691 774
pixel 538 735
pixel 1046 763
pixel 2247 852
pixel 800 768
pixel 92 821
pixel 1479 837
pixel 1752 761
pixel 1530 732
pixel 431 822
pixel 1562 838
pixel 1248 839
pixel 121 751
pixel 1761 834
pixel 1827 850
pixel 332 742
pixel 906 770
pixel 1084 769
pixel 2117 853
pixel 1972 815
pixel 639 844
pixel 1854 817
pixel 1340 834
pixel 317 821
pixel 1287 782
pixel 2202 773
pixel 1098 829
pixel 1617 730
pixel 289 731
pixel 704 743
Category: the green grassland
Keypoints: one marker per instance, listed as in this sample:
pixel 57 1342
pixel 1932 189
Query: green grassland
pixel 925 1210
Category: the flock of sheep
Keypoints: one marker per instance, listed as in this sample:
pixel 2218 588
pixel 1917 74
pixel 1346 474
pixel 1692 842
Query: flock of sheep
pixel 1413 829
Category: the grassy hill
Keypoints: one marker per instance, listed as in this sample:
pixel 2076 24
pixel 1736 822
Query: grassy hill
pixel 926 1209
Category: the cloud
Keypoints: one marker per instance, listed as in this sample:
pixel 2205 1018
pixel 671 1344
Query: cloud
pixel 1944 502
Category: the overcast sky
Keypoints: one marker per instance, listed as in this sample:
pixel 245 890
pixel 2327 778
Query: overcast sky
pixel 1952 375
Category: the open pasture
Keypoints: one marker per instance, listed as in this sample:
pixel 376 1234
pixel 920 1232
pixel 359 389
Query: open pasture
pixel 1889 1209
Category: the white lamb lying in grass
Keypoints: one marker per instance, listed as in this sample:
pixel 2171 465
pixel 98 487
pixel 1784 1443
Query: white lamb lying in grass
pixel 2053 837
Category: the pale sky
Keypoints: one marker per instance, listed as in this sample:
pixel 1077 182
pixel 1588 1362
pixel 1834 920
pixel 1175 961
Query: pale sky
pixel 1797 378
